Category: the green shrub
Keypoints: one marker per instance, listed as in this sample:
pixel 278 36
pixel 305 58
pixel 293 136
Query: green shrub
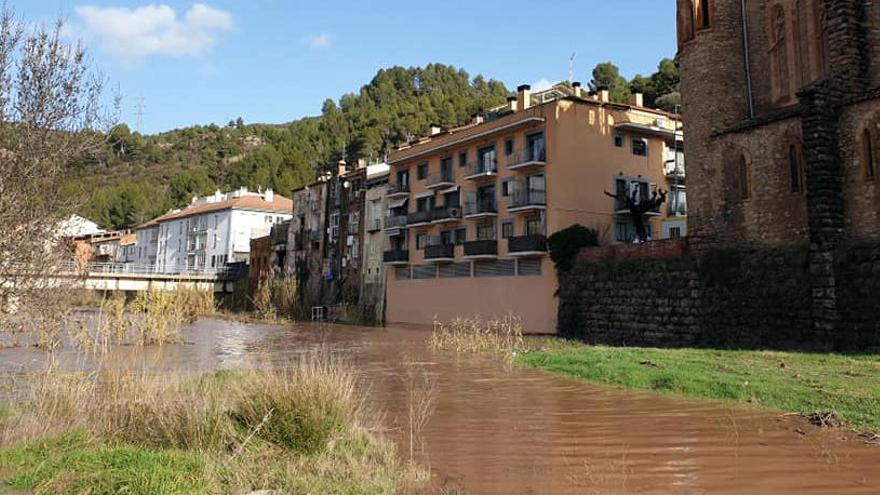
pixel 567 243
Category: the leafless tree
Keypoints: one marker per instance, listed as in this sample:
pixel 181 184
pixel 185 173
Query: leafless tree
pixel 50 116
pixel 638 207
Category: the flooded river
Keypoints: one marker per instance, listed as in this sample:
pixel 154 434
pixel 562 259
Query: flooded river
pixel 501 429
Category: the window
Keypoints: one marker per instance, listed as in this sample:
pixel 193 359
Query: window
pixel 685 22
pixel 821 30
pixel 743 179
pixel 869 163
pixel 640 147
pixel 674 232
pixel 507 230
pixel 446 238
pixel 618 141
pixel 534 226
pixel 487 162
pixel 421 241
pixel 508 146
pixel 462 159
pixel 537 148
pixel 621 232
pixel 446 169
pixel 422 172
pixel 779 76
pixel 423 204
pixel 703 14
pixel 505 188
pixel 486 232
pixel 403 178
pixel 459 236
pixel 795 165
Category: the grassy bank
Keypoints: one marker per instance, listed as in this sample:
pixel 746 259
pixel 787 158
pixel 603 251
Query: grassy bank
pixel 297 430
pixel 848 385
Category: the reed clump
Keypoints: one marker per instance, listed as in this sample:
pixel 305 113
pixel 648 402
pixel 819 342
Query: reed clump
pixel 294 430
pixel 275 298
pixel 474 335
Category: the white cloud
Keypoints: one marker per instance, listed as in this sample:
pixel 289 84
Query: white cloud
pixel 322 40
pixel 133 34
pixel 541 85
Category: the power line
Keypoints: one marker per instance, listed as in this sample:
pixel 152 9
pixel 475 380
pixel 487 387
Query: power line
pixel 139 112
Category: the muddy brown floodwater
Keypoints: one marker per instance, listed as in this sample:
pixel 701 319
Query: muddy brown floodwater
pixel 502 429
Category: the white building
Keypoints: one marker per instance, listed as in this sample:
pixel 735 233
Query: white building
pixel 210 232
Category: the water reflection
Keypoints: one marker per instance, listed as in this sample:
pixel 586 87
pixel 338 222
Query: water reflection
pixel 510 430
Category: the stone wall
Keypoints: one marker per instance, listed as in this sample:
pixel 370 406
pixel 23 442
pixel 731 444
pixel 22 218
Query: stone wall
pixel 740 298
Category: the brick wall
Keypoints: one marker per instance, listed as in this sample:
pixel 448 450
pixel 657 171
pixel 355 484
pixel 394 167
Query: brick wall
pixel 738 298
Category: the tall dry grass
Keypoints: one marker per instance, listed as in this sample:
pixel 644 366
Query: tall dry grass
pixel 473 335
pixel 275 298
pixel 300 429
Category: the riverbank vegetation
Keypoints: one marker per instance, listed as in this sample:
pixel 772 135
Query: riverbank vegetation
pixel 296 430
pixel 812 384
pixel 470 335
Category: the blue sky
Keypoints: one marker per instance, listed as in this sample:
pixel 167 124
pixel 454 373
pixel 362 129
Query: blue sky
pixel 274 60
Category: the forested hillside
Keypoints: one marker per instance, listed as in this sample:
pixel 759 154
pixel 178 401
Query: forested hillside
pixel 136 177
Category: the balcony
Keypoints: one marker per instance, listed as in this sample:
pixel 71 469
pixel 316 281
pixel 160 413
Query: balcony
pixel 440 253
pixel 418 218
pixel 528 200
pixel 395 222
pixel 621 209
pixel 440 180
pixel 486 249
pixel 375 225
pixel 446 214
pixel 396 257
pixel 530 158
pixel 481 170
pixel 527 245
pixel 397 191
pixel 480 209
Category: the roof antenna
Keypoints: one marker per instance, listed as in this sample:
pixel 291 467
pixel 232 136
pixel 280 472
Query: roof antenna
pixel 571 67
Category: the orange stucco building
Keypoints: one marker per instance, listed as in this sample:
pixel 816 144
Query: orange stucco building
pixel 470 209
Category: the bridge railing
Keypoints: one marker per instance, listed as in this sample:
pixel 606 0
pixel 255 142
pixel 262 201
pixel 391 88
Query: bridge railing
pixel 135 269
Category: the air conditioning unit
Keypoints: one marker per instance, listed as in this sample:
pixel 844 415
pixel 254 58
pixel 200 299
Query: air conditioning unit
pixel 455 212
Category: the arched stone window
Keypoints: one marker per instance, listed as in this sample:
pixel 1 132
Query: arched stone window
pixel 820 29
pixel 779 76
pixel 796 167
pixel 743 178
pixel 869 155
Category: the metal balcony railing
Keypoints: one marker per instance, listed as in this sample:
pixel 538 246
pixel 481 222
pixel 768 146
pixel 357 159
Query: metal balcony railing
pixel 396 256
pixel 394 189
pixel 442 213
pixel 527 244
pixel 440 251
pixel 481 248
pixel 395 221
pixel 528 197
pixel 441 179
pixel 481 168
pixel 534 156
pixel 480 207
pixel 418 217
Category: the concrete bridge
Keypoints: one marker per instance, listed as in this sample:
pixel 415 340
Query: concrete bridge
pixel 138 278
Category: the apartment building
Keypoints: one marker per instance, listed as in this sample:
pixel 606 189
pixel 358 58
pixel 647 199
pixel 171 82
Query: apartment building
pixel 327 240
pixel 470 209
pixel 216 230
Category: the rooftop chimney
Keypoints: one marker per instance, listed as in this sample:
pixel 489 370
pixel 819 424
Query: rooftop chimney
pixel 341 167
pixel 604 95
pixel 478 118
pixel 269 195
pixel 511 103
pixel 576 88
pixel 638 99
pixel 362 163
pixel 435 129
pixel 523 97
